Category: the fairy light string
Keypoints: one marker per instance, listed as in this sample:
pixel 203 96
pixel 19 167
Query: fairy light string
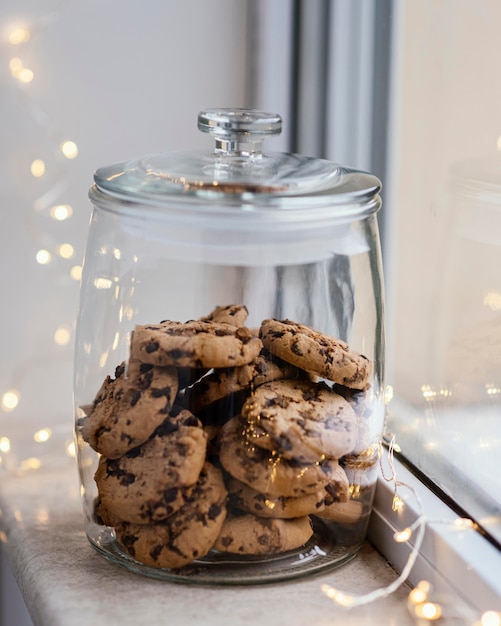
pixel 416 530
pixel 423 604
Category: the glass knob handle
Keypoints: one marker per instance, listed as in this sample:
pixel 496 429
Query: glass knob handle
pixel 239 131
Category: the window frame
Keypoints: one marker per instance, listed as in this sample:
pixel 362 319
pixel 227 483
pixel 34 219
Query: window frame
pixel 465 563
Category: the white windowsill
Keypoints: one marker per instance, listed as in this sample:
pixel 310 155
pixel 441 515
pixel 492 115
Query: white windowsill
pixel 64 582
pixel 457 561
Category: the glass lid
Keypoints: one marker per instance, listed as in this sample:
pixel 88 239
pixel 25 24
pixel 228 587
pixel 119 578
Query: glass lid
pixel 235 168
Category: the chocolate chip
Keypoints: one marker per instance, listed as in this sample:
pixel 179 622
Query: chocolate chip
pixel 166 428
pixel 135 397
pixel 170 494
pixel 151 347
pixel 155 552
pixel 119 371
pixel 191 420
pixel 296 348
pixel 214 511
pixel 146 379
pixel 128 541
pixel 164 391
pixel 135 452
pixel 127 479
pixel 331 490
pixel 178 354
pixel 276 334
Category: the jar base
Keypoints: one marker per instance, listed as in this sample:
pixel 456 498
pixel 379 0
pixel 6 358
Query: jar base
pixel 324 551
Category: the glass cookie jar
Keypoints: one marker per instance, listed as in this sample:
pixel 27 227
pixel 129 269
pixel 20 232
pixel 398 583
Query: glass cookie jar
pixel 230 360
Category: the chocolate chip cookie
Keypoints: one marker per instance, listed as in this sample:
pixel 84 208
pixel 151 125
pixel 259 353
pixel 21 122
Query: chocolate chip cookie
pixel 249 534
pixel 126 410
pixel 232 314
pixel 267 471
pixel 194 344
pixel 223 382
pixel 304 421
pixel 151 482
pixel 188 534
pixel 315 352
pixel 245 498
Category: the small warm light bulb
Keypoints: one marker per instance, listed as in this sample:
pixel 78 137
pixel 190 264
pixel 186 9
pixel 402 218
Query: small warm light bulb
pixel 417 595
pixel 31 463
pixel 491 618
pixel 492 390
pixel 403 535
pixel 19 35
pixel 424 585
pixel 429 611
pixel 463 522
pixel 69 149
pixel 388 394
pixel 398 503
pixel 61 212
pixel 25 75
pixel 37 168
pixel 70 449
pixel 102 283
pixel 343 599
pixel 76 272
pixel 66 250
pixel 43 257
pixel 428 392
pixel 43 435
pixel 15 66
pixel 4 444
pixel 10 400
pixel 62 336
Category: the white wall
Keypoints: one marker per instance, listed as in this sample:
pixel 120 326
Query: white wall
pixel 120 79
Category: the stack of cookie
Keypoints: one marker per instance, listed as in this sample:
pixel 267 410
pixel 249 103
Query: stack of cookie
pixel 213 436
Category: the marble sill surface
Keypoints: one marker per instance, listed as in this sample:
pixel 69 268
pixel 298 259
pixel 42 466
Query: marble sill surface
pixel 65 582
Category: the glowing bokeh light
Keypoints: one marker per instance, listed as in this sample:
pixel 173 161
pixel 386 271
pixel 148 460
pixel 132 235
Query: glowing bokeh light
pixel 76 272
pixel 61 212
pixel 37 168
pixel 4 444
pixel 19 35
pixel 31 463
pixel 69 149
pixel 66 250
pixel 42 435
pixel 62 336
pixel 10 400
pixel 491 618
pixel 43 257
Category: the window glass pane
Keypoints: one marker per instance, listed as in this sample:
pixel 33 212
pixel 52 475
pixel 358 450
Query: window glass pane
pixel 444 267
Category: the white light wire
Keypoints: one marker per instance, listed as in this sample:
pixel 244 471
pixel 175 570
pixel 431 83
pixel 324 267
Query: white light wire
pixel 349 600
